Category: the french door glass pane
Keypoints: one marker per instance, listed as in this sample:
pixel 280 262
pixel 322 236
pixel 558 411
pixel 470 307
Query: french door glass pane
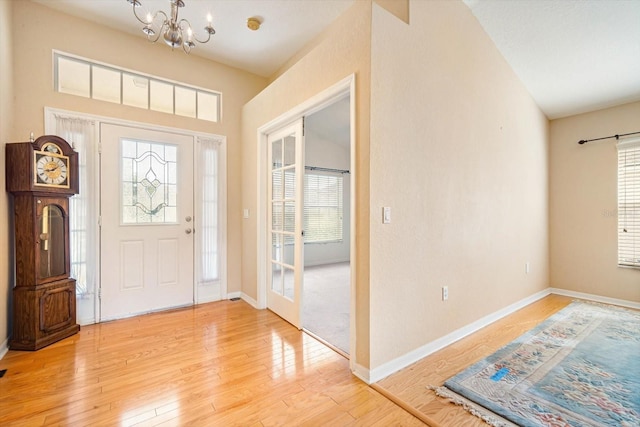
pixel 288 283
pixel 276 216
pixel 276 185
pixel 289 150
pixel 276 279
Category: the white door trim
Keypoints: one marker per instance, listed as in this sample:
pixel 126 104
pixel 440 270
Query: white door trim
pixel 200 296
pixel 310 106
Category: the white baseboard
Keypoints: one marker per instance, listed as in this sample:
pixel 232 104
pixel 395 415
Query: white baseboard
pixel 362 373
pixel 4 348
pixel 232 295
pixel 253 303
pixel 407 359
pixel 596 298
pixel 86 321
pixel 208 299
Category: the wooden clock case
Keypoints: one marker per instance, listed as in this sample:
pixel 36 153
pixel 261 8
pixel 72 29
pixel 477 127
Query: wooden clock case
pixel 44 296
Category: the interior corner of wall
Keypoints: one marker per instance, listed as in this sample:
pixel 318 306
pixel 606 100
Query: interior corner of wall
pixel 398 8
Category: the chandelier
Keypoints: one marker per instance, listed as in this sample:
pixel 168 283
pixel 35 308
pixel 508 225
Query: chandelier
pixel 175 32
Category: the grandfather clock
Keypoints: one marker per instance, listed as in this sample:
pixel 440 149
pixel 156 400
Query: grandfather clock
pixel 42 175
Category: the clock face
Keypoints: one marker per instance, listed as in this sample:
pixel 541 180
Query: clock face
pixel 51 170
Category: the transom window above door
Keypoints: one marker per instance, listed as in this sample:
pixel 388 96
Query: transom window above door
pixel 104 82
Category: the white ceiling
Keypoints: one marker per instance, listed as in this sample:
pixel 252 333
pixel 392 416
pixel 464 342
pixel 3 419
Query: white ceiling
pixel 287 25
pixel 572 55
pixel 332 122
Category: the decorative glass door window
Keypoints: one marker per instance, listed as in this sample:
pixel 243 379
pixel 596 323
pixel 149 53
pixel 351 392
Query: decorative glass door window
pixel 149 182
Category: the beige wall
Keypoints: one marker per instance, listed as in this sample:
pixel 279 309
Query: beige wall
pixel 459 152
pixel 6 120
pixel 342 50
pixel 583 204
pixel 33 87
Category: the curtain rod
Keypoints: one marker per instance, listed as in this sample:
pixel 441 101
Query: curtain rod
pixel 584 141
pixel 314 168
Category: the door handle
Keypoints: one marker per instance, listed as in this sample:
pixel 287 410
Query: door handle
pixel 188 231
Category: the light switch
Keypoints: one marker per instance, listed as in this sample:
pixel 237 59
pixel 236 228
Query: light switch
pixel 386 215
pixel 245 213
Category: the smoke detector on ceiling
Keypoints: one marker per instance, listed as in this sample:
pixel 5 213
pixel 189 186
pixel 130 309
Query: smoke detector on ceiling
pixel 253 24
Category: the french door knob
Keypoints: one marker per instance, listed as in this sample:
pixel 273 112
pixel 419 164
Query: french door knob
pixel 188 231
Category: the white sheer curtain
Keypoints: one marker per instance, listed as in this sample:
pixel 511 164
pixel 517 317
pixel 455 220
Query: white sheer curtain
pixel 81 134
pixel 208 199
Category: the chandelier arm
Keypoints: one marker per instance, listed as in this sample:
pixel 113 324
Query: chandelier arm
pixel 193 35
pixel 184 21
pixel 158 33
pixel 160 12
pixel 133 4
pixel 160 30
pixel 209 31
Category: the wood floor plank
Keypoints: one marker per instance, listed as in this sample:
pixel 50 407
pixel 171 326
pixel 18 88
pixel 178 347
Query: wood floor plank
pixel 409 384
pixel 226 363
pixel 223 363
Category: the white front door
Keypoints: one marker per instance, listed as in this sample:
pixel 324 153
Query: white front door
pixel 285 251
pixel 147 221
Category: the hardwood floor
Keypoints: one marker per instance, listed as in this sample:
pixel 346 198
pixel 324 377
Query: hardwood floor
pixel 226 363
pixel 218 364
pixel 408 386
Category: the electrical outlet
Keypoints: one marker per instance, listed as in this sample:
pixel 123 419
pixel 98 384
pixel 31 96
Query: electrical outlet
pixel 445 293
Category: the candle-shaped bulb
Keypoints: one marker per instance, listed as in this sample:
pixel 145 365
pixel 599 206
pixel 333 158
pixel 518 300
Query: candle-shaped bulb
pixel 149 18
pixel 189 34
pixel 209 18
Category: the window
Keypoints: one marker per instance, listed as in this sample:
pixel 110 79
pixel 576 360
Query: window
pixel 149 182
pixel 82 77
pixel 629 203
pixel 81 134
pixel 322 208
pixel 209 234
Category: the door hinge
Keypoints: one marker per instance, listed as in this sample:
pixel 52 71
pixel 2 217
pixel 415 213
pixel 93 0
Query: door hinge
pixel 303 120
pixel 99 293
pixel 100 221
pixel 100 147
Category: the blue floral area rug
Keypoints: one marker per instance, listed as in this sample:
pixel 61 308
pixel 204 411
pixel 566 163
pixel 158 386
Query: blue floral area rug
pixel 580 367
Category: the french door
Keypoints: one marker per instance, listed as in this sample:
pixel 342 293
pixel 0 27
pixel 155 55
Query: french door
pixel 147 221
pixel 285 195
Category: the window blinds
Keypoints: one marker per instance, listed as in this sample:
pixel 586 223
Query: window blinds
pixel 322 208
pixel 629 203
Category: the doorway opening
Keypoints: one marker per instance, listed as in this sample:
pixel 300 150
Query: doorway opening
pixel 316 257
pixel 326 292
